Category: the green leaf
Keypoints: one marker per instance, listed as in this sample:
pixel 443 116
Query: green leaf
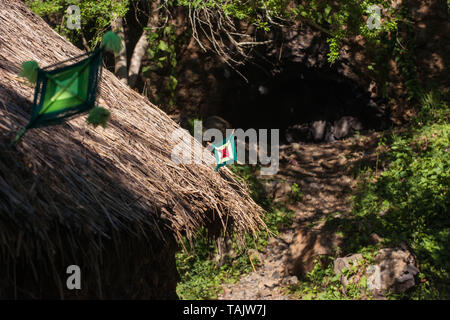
pixel 163 46
pixel 327 11
pixel 145 69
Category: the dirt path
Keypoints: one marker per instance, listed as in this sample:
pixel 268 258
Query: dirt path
pixel 325 174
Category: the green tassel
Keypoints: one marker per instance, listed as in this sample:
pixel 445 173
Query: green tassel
pixel 112 42
pixel 98 116
pixel 30 70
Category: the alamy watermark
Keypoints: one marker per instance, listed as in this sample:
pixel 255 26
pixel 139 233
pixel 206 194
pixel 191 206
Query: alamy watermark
pixel 374 20
pixel 74 17
pixel 261 149
pixel 74 280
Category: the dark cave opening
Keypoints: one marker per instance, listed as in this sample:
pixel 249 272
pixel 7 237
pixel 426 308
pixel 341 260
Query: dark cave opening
pixel 306 104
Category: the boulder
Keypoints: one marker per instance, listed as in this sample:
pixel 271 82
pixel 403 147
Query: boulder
pixel 321 130
pixel 394 269
pixel 289 280
pixel 345 126
pixel 318 129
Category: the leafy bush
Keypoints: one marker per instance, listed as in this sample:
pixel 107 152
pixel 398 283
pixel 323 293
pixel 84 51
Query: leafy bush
pixel 96 16
pixel 409 201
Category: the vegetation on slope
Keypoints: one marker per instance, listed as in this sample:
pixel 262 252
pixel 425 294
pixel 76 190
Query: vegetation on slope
pixel 409 201
pixel 201 277
pixel 406 201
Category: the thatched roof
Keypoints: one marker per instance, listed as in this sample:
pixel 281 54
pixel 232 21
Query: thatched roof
pixel 97 182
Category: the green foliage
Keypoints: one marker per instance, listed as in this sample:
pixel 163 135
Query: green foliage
pixel 98 116
pixel 201 278
pixel 163 55
pixel 409 201
pixel 341 21
pixel 432 110
pixel 96 17
pixel 296 194
pixel 30 70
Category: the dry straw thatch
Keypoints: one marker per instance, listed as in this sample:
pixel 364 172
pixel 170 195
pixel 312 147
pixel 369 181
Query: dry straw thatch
pixel 110 200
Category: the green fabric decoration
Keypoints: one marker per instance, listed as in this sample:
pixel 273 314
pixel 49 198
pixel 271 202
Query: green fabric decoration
pixel 98 116
pixel 30 70
pixel 64 91
pixel 112 42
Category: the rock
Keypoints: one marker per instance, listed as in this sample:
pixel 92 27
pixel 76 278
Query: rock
pixel 322 130
pixel 267 284
pixel 278 190
pixel 270 283
pixel 318 130
pixel 290 280
pixel 342 161
pixel 344 263
pixel 394 270
pixel 373 275
pixel 308 245
pixel 286 237
pixel 346 126
pixel 326 164
pixel 275 275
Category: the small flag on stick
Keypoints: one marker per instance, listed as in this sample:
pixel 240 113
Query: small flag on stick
pixel 225 153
